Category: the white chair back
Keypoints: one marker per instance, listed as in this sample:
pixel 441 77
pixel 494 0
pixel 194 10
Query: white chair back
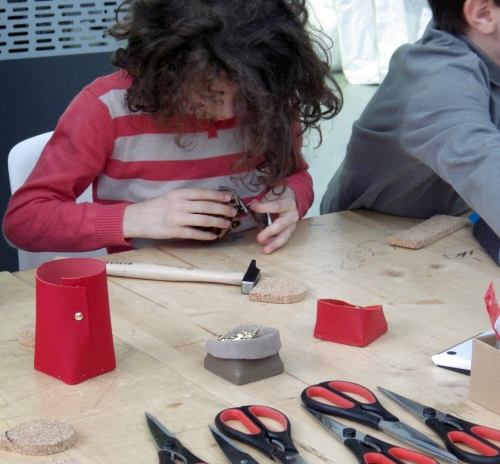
pixel 21 161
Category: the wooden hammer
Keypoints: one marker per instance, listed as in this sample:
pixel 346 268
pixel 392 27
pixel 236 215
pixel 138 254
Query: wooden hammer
pixel 158 271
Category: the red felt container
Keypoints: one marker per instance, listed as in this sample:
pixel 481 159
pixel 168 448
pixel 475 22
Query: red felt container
pixel 341 322
pixel 73 337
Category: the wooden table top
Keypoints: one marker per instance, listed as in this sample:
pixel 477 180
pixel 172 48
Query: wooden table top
pixel 433 298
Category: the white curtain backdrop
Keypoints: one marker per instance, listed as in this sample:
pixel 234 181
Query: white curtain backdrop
pixel 365 33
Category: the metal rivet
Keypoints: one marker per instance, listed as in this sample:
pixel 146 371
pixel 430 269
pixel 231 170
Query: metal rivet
pixel 78 316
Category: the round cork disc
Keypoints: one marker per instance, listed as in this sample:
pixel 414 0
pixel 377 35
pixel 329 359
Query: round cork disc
pixel 27 335
pixel 38 437
pixel 278 290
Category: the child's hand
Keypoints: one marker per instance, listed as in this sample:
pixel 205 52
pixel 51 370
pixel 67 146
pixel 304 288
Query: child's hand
pixel 279 232
pixel 176 213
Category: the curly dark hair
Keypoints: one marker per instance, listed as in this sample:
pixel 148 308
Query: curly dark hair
pixel 280 66
pixel 449 15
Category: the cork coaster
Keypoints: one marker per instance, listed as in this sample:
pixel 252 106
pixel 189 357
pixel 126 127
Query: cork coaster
pixel 278 290
pixel 427 232
pixel 38 437
pixel 27 335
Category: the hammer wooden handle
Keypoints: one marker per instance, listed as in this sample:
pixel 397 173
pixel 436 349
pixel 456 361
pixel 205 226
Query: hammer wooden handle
pixel 171 273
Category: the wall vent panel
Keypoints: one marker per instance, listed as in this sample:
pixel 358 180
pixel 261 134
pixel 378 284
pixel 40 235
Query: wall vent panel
pixel 38 28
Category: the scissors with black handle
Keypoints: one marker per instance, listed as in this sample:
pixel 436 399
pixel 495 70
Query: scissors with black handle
pixel 233 453
pixel 368 449
pixel 170 450
pixel 277 445
pixel 371 413
pixel 453 430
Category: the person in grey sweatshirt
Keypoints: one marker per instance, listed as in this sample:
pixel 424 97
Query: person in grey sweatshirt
pixel 429 140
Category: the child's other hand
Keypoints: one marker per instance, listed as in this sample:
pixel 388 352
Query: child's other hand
pixel 176 213
pixel 284 208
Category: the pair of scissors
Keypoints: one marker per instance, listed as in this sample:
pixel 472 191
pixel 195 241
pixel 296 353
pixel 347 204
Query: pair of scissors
pixel 277 444
pixel 170 450
pixel 371 413
pixel 233 453
pixel 453 430
pixel 368 449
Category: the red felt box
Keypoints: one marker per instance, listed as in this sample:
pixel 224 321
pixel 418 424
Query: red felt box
pixel 73 337
pixel 341 322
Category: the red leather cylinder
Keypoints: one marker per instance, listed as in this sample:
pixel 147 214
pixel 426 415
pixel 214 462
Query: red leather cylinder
pixel 73 336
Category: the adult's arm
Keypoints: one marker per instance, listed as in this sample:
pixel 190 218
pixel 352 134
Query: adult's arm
pixel 448 127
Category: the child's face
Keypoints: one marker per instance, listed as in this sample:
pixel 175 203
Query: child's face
pixel 218 103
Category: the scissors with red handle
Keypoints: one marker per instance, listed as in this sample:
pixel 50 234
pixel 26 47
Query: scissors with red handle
pixel 277 445
pixel 368 449
pixel 233 453
pixel 341 403
pixel 453 430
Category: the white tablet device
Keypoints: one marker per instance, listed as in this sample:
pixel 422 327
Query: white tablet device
pixel 458 357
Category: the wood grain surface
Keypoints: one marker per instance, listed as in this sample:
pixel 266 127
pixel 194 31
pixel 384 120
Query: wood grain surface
pixel 432 299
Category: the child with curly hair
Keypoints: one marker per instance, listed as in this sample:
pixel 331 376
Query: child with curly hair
pixel 209 93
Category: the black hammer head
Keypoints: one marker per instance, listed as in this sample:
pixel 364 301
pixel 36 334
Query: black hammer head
pixel 250 278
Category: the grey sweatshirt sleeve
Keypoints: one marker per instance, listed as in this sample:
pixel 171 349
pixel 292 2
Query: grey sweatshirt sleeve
pixel 449 125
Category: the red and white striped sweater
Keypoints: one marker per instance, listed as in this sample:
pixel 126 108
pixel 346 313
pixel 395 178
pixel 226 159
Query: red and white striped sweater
pixel 127 157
